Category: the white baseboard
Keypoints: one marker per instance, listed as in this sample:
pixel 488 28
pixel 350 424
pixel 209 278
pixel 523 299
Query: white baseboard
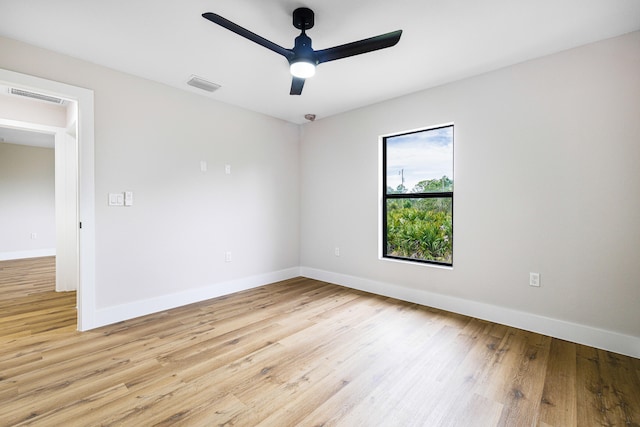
pixel 110 315
pixel 35 253
pixel 587 335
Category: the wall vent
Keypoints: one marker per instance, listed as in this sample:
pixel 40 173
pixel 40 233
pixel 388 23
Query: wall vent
pixel 203 84
pixel 35 95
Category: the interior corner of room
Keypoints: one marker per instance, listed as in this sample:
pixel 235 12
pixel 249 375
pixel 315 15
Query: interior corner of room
pixel 223 199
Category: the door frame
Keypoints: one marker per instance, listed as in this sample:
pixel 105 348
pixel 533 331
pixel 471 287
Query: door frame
pixel 86 182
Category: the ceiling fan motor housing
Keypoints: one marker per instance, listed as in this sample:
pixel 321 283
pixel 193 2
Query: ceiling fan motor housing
pixel 303 18
pixel 303 50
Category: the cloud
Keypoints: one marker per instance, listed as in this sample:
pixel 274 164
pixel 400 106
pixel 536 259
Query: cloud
pixel 419 156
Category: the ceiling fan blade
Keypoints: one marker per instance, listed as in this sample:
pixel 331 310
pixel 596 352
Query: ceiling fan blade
pixel 296 86
pixel 223 22
pixel 361 46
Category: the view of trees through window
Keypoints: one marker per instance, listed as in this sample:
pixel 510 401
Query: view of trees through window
pixel 418 196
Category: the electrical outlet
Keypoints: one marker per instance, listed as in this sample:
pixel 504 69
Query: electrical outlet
pixel 128 198
pixel 337 251
pixel 227 257
pixel 534 279
pixel 34 236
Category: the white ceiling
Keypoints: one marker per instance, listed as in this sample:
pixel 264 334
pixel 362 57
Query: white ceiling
pixel 442 41
pixel 26 137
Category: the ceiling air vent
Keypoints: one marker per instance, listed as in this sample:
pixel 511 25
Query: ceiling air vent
pixel 34 95
pixel 203 84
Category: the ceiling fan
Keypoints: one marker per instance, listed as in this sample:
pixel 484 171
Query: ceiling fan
pixel 302 58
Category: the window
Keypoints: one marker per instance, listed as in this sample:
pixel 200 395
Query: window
pixel 417 201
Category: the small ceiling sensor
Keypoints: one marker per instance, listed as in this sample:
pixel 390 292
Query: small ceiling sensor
pixel 310 117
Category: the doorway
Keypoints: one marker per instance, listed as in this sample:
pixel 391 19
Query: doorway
pixel 78 178
pixel 42 155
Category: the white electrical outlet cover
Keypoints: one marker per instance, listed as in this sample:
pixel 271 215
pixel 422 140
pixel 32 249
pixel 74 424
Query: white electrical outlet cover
pixel 534 279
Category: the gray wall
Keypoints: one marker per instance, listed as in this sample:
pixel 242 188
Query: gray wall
pixel 27 200
pixel 546 180
pixel 150 139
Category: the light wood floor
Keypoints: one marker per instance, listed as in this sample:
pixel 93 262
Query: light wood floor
pixel 299 352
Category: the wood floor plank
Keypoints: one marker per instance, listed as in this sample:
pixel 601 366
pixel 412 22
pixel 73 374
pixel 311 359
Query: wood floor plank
pixel 623 397
pixel 298 352
pixel 558 403
pixel 377 391
pixel 477 350
pixel 523 395
pixel 344 362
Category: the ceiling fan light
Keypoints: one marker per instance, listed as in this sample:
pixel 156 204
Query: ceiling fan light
pixel 302 69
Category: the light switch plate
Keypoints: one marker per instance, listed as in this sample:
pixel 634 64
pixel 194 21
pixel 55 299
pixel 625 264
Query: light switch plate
pixel 116 199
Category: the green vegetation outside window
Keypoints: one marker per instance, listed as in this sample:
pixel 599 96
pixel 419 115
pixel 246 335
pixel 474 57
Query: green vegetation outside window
pixel 417 206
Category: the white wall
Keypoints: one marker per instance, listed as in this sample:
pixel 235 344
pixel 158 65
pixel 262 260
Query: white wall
pixel 13 107
pixel 546 180
pixel 27 201
pixel 168 248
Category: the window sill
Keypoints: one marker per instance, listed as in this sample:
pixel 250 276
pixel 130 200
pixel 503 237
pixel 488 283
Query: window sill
pixel 418 263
